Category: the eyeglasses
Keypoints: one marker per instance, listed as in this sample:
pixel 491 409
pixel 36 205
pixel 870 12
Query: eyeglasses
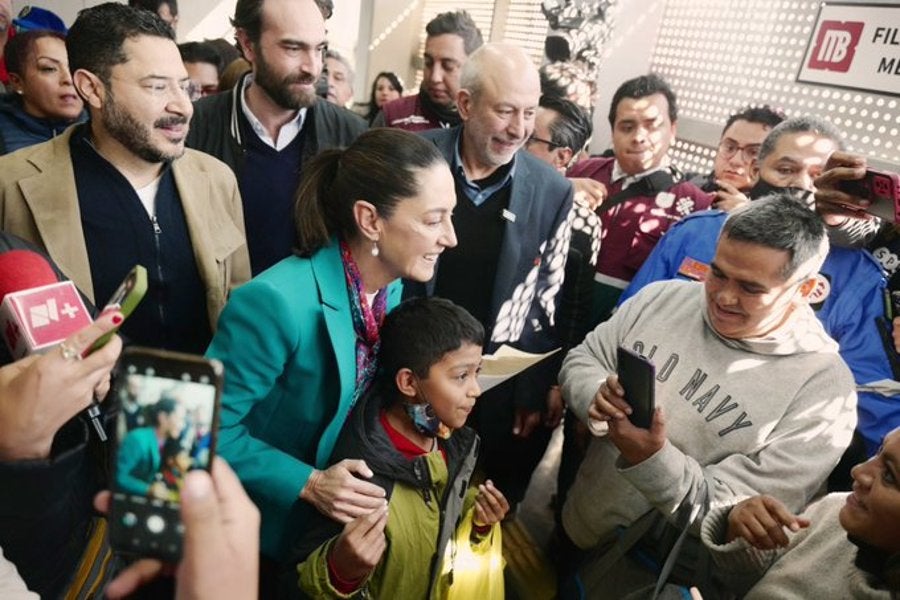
pixel 162 86
pixel 729 148
pixel 550 145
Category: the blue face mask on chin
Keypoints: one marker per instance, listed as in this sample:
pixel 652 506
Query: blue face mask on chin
pixel 423 418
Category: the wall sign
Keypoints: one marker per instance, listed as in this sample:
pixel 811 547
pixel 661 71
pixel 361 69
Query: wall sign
pixel 855 46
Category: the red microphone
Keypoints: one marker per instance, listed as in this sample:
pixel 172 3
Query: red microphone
pixel 38 311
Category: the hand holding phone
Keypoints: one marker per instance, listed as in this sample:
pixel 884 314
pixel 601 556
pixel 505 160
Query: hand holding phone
pixel 637 376
pixel 882 191
pixel 125 299
pixel 167 424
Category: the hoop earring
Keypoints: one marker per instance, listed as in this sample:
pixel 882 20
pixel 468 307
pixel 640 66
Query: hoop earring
pixel 375 251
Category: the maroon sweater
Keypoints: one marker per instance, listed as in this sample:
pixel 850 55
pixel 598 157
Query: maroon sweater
pixel 632 228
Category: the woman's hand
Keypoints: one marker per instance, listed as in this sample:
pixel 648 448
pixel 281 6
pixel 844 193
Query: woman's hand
pixel 339 493
pixel 40 393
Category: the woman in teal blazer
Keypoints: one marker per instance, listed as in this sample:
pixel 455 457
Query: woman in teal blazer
pixel 299 341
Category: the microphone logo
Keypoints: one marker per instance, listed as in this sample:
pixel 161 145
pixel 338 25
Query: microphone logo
pixel 47 313
pixel 37 319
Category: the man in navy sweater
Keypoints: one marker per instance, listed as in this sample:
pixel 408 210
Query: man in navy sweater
pixel 271 123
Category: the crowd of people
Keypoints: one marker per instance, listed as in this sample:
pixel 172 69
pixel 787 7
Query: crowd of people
pixel 350 271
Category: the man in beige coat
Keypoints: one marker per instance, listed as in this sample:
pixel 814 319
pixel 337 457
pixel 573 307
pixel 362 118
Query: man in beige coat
pixel 121 190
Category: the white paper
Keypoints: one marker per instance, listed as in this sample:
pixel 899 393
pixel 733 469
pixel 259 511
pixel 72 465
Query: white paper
pixel 506 362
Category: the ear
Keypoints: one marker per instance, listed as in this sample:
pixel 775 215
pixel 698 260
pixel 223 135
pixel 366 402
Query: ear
pixel 464 104
pixel 90 88
pixel 562 157
pixel 367 219
pixel 16 82
pixel 246 45
pixel 405 381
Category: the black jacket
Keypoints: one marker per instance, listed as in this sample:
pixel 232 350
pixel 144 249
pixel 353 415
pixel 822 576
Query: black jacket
pixel 215 128
pixel 46 505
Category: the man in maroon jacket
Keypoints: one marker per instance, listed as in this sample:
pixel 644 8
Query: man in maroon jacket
pixel 645 194
pixel 451 38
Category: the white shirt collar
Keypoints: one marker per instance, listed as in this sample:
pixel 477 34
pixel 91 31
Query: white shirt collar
pixel 618 173
pixel 288 132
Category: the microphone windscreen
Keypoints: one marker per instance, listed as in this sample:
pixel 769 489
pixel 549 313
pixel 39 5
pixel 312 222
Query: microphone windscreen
pixel 23 270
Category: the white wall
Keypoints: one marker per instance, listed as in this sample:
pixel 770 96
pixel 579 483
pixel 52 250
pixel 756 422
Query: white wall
pixel 628 55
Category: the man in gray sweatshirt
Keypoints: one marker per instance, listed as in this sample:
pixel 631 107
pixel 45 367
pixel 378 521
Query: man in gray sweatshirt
pixel 751 395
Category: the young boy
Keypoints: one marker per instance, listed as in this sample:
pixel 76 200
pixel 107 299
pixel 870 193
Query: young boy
pixel 410 431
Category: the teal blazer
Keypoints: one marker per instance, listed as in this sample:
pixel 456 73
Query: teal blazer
pixel 287 342
pixel 137 461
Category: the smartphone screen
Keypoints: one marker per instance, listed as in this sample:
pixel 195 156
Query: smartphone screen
pixel 637 376
pixel 166 426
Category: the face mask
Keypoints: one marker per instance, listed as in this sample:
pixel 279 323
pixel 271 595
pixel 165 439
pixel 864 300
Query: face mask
pixel 764 188
pixel 423 418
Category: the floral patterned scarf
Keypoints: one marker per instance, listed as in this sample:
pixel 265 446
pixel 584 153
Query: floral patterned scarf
pixel 366 323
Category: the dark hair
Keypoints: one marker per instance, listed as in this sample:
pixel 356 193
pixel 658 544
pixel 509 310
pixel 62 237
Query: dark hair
pixel 20 47
pixel 764 115
pixel 572 126
pixel 228 51
pixel 96 38
pixel 420 331
pixel 641 87
pixel 153 5
pixel 248 16
pixel 804 124
pixel 380 166
pixel 200 52
pixel 166 406
pixel 457 23
pixel 780 222
pixel 395 81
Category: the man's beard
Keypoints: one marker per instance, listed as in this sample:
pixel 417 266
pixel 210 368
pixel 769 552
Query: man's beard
pixel 134 136
pixel 279 90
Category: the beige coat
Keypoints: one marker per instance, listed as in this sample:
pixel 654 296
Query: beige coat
pixel 39 202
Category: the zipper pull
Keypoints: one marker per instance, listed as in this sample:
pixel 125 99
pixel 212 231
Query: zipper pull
pixel 156 228
pixel 94 414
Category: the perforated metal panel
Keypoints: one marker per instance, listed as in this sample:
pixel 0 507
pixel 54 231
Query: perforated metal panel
pixel 526 26
pixel 722 55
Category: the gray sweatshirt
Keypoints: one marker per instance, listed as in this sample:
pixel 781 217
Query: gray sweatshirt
pixel 766 415
pixel 818 563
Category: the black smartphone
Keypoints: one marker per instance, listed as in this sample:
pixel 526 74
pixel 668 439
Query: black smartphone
pixel 166 426
pixel 637 376
pixel 882 188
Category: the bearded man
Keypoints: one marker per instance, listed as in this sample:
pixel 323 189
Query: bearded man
pixel 121 190
pixel 271 123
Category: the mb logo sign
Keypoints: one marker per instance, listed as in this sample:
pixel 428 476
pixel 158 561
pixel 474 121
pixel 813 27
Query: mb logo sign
pixel 854 46
pixel 836 46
